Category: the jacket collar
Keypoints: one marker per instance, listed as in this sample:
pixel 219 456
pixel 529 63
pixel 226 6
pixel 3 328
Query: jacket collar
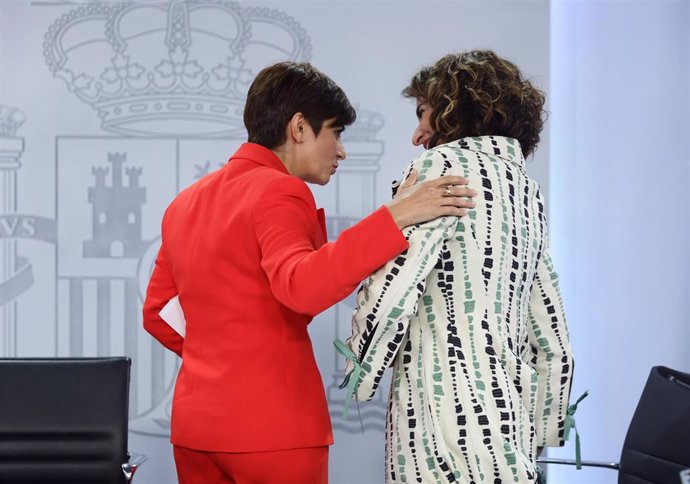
pixel 263 156
pixel 260 155
pixel 507 149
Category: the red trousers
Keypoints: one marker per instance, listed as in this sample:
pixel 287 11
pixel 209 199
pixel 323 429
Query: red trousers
pixel 294 466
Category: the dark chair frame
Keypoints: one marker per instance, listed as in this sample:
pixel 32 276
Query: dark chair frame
pixel 65 420
pixel 657 445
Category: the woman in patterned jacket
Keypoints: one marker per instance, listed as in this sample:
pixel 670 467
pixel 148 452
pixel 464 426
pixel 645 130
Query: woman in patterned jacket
pixel 470 316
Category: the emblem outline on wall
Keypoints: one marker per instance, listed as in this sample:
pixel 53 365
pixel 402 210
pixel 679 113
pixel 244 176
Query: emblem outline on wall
pixel 174 113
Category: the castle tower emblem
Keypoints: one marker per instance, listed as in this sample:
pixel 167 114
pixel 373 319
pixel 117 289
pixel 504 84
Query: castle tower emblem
pixel 116 212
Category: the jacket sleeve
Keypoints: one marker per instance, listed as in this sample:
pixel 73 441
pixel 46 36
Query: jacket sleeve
pixel 308 277
pixel 388 299
pixel 552 357
pixel 160 290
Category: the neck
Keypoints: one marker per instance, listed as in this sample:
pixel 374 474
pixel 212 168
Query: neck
pixel 286 155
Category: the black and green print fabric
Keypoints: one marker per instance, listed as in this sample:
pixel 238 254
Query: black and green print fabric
pixel 471 319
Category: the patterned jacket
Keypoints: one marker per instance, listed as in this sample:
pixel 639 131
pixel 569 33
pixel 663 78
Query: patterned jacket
pixel 471 319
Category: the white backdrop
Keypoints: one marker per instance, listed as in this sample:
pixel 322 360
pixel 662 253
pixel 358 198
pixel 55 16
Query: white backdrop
pixel 619 172
pixel 123 105
pixel 620 177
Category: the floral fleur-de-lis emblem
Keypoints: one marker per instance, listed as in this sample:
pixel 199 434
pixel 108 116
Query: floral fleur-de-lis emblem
pixel 178 65
pixel 122 69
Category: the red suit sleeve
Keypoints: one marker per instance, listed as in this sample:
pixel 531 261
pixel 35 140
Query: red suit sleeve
pixel 306 277
pixel 160 290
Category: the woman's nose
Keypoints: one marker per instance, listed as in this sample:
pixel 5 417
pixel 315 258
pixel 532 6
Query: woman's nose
pixel 418 136
pixel 340 153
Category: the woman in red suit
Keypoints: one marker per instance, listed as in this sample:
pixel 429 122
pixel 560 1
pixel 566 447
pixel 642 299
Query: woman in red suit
pixel 246 251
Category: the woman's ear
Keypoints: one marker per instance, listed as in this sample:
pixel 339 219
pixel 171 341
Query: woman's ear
pixel 296 128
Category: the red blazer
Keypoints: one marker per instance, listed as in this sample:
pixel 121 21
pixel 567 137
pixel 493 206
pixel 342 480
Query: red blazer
pixel 246 251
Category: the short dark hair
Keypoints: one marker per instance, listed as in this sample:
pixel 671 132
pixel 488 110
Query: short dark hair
pixel 283 89
pixel 478 93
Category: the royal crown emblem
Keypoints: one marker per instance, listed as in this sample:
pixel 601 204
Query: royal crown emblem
pixel 177 69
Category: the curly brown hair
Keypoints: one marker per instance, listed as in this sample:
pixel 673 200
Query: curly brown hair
pixel 478 93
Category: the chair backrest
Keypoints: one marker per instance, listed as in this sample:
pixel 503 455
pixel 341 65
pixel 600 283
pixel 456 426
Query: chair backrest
pixel 63 420
pixel 657 445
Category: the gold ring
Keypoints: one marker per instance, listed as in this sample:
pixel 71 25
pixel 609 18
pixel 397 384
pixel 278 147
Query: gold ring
pixel 447 192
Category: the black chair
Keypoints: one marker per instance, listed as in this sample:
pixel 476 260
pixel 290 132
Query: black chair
pixel 657 446
pixel 64 420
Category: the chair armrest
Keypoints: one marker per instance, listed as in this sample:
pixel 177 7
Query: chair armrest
pixel 685 476
pixel 132 464
pixel 571 462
